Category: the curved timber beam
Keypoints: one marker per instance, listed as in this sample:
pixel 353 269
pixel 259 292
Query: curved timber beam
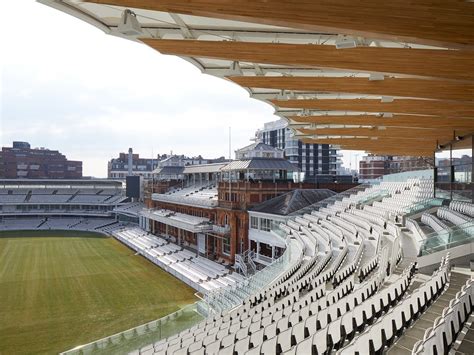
pixel 395 121
pixel 447 23
pixel 403 87
pixel 379 146
pixel 428 63
pixel 389 132
pixel 414 107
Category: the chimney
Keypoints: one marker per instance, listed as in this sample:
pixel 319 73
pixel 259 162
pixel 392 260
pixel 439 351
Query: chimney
pixel 130 161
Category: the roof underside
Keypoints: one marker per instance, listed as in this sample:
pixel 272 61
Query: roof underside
pixel 406 86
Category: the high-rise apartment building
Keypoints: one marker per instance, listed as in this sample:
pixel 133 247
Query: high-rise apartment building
pixel 315 161
pixel 22 162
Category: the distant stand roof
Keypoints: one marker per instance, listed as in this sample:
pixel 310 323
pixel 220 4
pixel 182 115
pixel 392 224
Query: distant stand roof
pixel 293 201
pixel 204 168
pixel 169 170
pixel 261 164
pixel 257 146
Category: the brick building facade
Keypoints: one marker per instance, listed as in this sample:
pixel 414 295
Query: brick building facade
pixel 22 162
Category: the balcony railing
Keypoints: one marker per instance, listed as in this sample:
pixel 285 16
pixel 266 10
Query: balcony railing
pixel 263 185
pixel 221 229
pixel 187 200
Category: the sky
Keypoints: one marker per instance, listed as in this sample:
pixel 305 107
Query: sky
pixel 65 85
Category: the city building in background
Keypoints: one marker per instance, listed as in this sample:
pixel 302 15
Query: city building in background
pixel 118 168
pixel 23 162
pixel 207 211
pixel 375 166
pixel 315 161
pixel 410 163
pixel 164 166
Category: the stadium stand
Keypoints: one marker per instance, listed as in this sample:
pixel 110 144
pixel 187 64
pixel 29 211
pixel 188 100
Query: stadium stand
pixel 201 195
pixel 339 294
pixel 200 273
pixel 57 223
pixel 28 204
pixel 441 221
pixel 439 338
pixel 343 284
pixel 50 200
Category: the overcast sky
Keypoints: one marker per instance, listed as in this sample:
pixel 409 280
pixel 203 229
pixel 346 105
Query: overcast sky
pixel 68 86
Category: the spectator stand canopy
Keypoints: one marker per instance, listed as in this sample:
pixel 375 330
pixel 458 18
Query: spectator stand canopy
pixel 388 78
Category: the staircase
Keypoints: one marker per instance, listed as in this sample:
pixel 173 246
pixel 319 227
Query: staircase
pixel 240 264
pixel 405 343
pixel 245 263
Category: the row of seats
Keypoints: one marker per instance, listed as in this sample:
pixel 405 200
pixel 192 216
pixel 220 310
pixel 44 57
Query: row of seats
pixel 434 222
pixel 454 217
pixel 463 207
pixel 61 196
pixel 206 192
pixel 440 338
pixel 392 324
pixel 302 280
pixel 20 223
pixel 202 272
pixel 273 323
pixel 260 322
pixel 335 287
pixel 12 198
pixel 445 220
pixel 56 223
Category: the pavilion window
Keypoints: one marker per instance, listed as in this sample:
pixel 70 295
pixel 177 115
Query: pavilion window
pixel 254 222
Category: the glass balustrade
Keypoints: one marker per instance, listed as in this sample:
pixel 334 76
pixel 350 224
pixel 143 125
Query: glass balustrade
pixel 132 339
pixel 450 238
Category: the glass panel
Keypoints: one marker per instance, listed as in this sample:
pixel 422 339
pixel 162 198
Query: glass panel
pixel 462 192
pixel 462 152
pixel 265 224
pixel 226 245
pixel 254 222
pixel 444 174
pixel 135 338
pixel 442 156
pixel 458 235
pixel 463 173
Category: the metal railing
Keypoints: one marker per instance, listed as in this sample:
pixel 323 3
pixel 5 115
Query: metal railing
pixel 240 263
pixel 188 200
pixel 221 229
pixel 166 218
pixel 229 297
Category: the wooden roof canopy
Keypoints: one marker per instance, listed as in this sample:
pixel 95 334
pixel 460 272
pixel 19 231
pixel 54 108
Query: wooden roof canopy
pixel 405 87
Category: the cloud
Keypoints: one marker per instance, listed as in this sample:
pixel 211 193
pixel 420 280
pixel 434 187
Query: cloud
pixel 68 86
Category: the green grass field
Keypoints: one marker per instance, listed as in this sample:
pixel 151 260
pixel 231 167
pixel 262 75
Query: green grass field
pixel 63 289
